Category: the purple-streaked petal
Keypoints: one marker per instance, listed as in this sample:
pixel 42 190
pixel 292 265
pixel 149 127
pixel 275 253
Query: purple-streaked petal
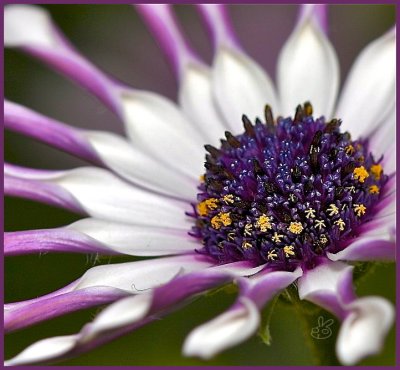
pixel 384 137
pixel 308 69
pixel 41 192
pixel 98 236
pixel 371 84
pixel 123 316
pixel 227 330
pixel 219 25
pixel 364 330
pixel 367 249
pixel 389 159
pixel 161 21
pixel 27 122
pixel 128 278
pixel 320 14
pixel 99 194
pixel 59 305
pixel 195 95
pixel 155 125
pixel 101 148
pixel 321 285
pixel 240 321
pixel 31 29
pixel 365 321
pixel 240 86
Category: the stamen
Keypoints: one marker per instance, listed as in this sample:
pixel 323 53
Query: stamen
pixel 359 209
pixel 295 227
pixel 288 250
pixel 360 174
pixel 374 189
pixel 376 171
pixel 264 223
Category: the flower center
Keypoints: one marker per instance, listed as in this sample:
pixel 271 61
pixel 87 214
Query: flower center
pixel 285 191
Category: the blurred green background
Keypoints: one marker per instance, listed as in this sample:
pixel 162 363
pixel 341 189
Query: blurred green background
pixel 115 38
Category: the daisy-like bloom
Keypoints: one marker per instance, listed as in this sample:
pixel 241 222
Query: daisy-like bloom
pixel 279 200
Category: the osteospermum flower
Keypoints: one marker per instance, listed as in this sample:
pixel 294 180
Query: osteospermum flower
pixel 298 186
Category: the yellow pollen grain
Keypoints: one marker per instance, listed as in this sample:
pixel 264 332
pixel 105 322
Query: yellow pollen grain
pixel 207 205
pixel 374 189
pixel 310 213
pixel 271 255
pixel 246 245
pixel 202 178
pixel 295 227
pixel 376 171
pixel 359 209
pixel 349 149
pixel 248 229
pixel 340 223
pixel 228 199
pixel 323 239
pixel 360 173
pixel 288 250
pixel 221 219
pixel 277 237
pixel 333 210
pixel 264 223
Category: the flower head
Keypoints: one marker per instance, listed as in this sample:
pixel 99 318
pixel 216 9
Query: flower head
pixel 296 187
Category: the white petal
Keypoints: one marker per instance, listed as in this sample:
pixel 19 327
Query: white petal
pixel 308 69
pixel 195 97
pixel 227 330
pixel 123 312
pixel 363 331
pixel 26 25
pixel 44 350
pixel 156 125
pixel 136 240
pixel 323 278
pixel 384 136
pixel 139 277
pixel 105 196
pixel 240 87
pixel 137 167
pixel 369 91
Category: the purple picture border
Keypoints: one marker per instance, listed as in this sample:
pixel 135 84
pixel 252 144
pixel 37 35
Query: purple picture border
pixel 365 2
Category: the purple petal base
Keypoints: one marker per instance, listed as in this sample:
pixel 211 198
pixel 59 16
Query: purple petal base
pixel 46 309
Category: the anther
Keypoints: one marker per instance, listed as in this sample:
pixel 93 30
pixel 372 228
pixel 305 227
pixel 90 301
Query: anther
pixel 269 118
pixel 233 142
pixel 308 109
pixel 288 250
pixel 215 153
pixel 299 115
pixel 360 174
pixel 272 255
pixel 248 126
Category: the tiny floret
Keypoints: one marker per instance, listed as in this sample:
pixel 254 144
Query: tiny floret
pixel 228 199
pixel 319 224
pixel 360 173
pixel 359 209
pixel 277 237
pixel 288 250
pixel 333 210
pixel 295 227
pixel 376 171
pixel 272 255
pixel 221 219
pixel 340 223
pixel 374 189
pixel 264 223
pixel 310 213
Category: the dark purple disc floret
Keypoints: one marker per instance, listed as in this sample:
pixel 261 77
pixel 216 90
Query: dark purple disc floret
pixel 285 192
